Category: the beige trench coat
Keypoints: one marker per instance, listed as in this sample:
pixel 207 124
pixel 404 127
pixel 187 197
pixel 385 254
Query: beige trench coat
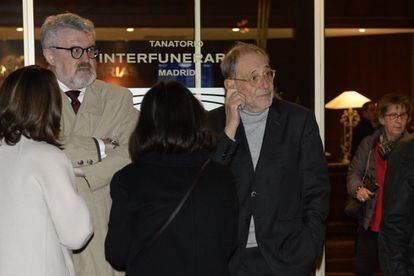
pixel 106 112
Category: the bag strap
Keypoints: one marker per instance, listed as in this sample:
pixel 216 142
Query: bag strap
pixel 175 212
pixel 367 164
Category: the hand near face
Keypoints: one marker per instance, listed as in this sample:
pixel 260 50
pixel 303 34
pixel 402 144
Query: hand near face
pixel 250 88
pixel 233 102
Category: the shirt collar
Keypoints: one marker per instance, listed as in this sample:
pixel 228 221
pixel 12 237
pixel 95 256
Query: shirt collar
pixel 64 88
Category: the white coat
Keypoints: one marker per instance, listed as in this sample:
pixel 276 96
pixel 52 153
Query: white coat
pixel 42 218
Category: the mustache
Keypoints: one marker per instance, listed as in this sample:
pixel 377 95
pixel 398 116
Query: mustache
pixel 84 65
pixel 264 91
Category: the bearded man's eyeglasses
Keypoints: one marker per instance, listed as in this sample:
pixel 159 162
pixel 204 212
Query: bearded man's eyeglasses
pixel 77 51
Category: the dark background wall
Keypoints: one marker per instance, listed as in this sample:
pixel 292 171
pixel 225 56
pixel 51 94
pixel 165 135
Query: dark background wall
pixel 371 65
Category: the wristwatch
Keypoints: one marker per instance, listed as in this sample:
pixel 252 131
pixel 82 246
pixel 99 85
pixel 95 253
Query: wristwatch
pixel 114 143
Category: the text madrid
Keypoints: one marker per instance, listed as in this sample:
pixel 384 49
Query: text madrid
pixel 159 58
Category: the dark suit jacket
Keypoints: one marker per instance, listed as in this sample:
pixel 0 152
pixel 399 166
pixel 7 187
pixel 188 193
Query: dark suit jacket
pixel 395 240
pixel 288 193
pixel 202 237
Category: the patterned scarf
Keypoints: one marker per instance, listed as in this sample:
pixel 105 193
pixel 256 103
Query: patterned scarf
pixel 386 146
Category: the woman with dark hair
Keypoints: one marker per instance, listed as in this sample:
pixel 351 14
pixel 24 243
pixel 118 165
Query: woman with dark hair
pixel 41 217
pixel 366 173
pixel 169 148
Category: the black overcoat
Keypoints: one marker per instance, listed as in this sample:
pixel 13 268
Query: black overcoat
pixel 202 237
pixel 287 193
pixel 396 240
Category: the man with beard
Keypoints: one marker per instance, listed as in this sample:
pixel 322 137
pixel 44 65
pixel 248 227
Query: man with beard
pixel 275 152
pixel 97 120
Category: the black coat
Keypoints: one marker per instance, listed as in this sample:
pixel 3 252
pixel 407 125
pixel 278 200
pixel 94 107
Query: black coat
pixel 288 193
pixel 396 237
pixel 202 237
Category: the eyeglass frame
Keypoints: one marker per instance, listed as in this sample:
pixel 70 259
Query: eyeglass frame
pixel 251 77
pixel 394 116
pixel 96 53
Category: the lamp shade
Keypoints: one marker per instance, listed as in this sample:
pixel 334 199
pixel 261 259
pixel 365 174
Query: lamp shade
pixel 347 99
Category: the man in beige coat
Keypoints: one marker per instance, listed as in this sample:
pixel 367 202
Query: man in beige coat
pixel 97 119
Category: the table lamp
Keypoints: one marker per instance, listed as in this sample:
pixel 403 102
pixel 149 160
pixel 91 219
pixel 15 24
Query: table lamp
pixel 350 118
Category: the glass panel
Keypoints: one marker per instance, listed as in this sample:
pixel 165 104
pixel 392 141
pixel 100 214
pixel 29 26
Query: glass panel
pixel 11 37
pixel 289 42
pixel 371 53
pixel 368 49
pixel 141 42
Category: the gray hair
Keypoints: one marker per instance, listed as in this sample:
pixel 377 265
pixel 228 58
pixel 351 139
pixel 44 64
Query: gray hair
pixel 228 65
pixel 53 23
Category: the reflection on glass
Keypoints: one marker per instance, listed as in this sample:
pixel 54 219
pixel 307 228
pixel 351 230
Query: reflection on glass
pixel 11 39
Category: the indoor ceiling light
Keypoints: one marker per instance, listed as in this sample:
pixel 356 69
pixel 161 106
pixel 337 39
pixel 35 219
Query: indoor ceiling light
pixel 130 30
pixel 20 29
pixel 236 29
pixel 242 26
pixel 361 30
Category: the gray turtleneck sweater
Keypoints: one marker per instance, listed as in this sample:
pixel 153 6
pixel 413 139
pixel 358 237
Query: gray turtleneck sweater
pixel 254 126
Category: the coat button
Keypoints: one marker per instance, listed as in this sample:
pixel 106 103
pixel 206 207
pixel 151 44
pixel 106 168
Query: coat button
pixel 80 162
pixel 90 161
pixel 253 194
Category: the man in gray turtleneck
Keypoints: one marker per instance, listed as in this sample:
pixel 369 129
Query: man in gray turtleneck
pixel 275 152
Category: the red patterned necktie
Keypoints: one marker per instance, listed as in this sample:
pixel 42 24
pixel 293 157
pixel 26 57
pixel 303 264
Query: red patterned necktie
pixel 73 95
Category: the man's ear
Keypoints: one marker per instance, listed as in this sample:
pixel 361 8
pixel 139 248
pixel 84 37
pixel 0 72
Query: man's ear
pixel 381 120
pixel 49 56
pixel 229 84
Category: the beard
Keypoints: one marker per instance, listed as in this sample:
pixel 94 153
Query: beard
pixel 263 99
pixel 266 94
pixel 85 74
pixel 262 92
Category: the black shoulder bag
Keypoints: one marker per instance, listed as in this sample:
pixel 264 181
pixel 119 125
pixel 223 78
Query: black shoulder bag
pixel 174 213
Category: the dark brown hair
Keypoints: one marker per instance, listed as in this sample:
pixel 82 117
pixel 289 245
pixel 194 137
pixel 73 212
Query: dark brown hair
pixel 172 120
pixel 366 105
pixel 394 99
pixel 30 105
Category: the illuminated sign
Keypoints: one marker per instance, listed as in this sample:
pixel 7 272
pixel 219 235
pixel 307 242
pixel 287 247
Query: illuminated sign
pixel 169 63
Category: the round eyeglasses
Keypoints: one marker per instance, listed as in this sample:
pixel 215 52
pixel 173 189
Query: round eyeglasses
pixel 77 51
pixel 254 79
pixel 395 116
